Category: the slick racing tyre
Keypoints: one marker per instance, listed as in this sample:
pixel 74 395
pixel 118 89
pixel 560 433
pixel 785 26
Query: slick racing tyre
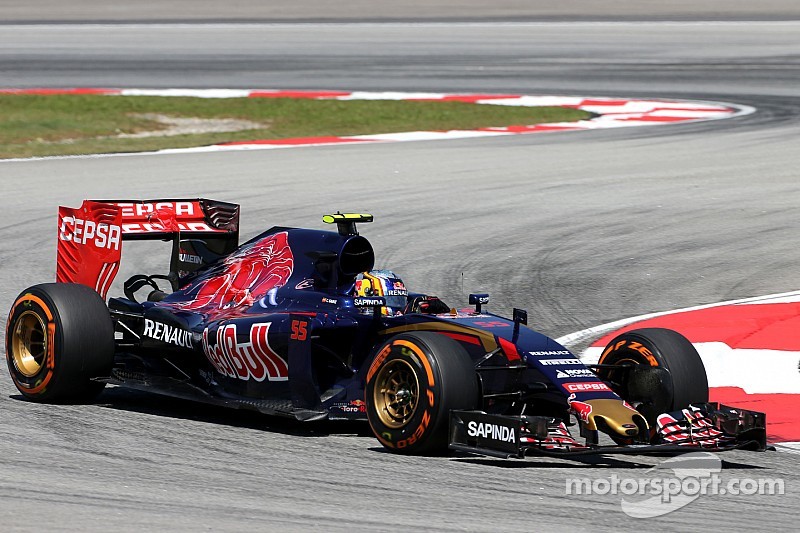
pixel 682 379
pixel 58 337
pixel 412 384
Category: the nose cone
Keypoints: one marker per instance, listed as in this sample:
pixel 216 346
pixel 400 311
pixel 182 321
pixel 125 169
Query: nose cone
pixel 610 416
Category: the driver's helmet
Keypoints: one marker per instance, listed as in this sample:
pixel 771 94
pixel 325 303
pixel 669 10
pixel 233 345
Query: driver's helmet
pixel 383 283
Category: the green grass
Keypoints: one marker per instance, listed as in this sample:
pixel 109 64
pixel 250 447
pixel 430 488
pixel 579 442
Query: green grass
pixel 77 124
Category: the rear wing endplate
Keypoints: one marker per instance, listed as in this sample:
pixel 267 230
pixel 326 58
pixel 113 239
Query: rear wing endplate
pixel 90 237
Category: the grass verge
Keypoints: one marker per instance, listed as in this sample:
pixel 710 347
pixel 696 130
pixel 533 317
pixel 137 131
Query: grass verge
pixel 33 125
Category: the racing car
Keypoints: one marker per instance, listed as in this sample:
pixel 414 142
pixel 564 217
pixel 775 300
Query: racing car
pixel 296 323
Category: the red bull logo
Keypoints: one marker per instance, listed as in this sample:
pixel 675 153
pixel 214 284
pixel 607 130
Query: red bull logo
pixel 249 274
pixel 254 360
pixel 581 409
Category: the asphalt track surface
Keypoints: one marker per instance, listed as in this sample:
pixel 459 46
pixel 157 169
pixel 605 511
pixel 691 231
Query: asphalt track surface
pixel 203 11
pixel 579 228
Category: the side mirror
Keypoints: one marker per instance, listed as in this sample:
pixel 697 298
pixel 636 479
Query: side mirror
pixel 520 317
pixel 478 300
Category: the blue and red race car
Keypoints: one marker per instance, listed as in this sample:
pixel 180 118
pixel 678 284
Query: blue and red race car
pixel 296 323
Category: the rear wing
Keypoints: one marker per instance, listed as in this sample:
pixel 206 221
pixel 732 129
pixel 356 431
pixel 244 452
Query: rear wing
pixel 90 237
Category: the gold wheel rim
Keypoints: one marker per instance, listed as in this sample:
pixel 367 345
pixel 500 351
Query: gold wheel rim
pixel 396 393
pixel 29 344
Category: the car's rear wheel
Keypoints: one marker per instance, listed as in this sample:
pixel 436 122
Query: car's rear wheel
pixel 681 381
pixel 59 336
pixel 412 384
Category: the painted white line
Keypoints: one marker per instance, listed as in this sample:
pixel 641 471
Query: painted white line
pixel 597 331
pixel 535 101
pixel 430 135
pixel 194 93
pixel 753 371
pixel 685 113
pixel 790 447
pixel 364 95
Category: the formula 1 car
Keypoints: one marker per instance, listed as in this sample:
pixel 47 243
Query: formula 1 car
pixel 274 325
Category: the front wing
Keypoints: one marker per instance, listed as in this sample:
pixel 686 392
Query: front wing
pixel 708 427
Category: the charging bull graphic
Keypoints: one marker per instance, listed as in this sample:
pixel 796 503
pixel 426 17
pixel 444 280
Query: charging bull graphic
pixel 248 275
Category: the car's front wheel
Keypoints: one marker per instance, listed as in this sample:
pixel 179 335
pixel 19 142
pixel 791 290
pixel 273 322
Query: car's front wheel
pixel 678 379
pixel 412 384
